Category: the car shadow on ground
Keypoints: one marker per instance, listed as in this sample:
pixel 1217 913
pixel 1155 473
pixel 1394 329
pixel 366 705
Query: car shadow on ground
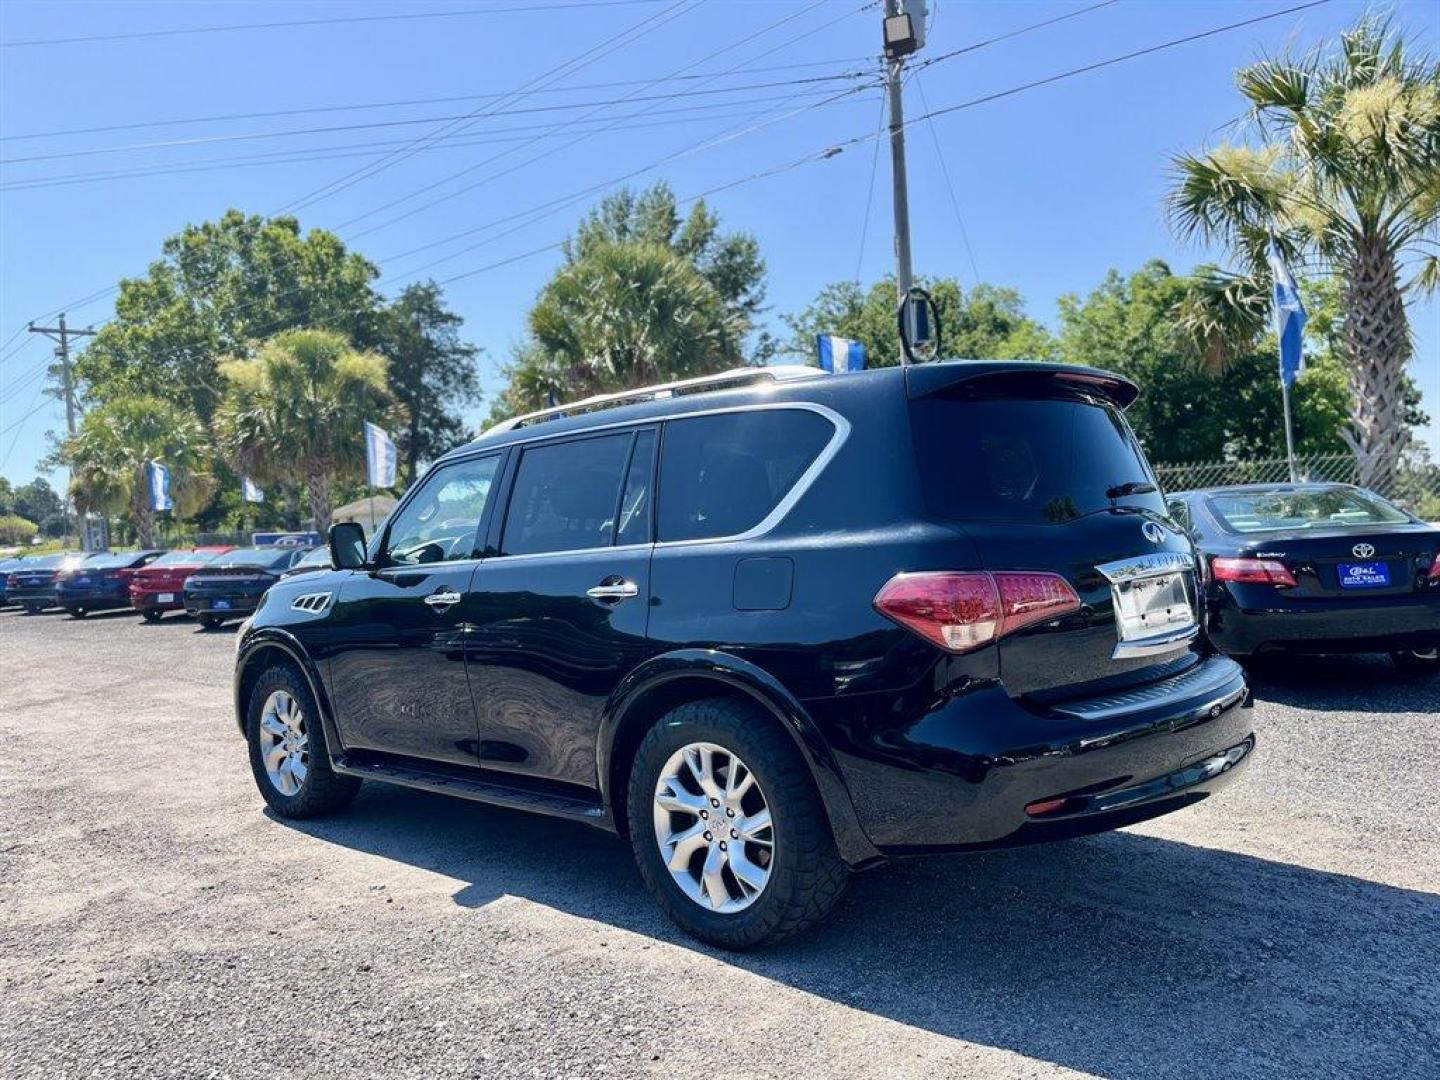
pixel 1341 683
pixel 1122 955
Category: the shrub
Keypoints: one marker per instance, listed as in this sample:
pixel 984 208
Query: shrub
pixel 15 529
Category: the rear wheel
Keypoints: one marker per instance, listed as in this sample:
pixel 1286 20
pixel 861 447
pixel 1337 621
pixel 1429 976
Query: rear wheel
pixel 727 828
pixel 288 755
pixel 210 622
pixel 76 612
pixel 1417 661
pixel 151 614
pixel 34 609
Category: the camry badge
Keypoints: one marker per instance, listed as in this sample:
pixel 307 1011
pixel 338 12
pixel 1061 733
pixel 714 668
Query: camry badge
pixel 1363 551
pixel 1153 532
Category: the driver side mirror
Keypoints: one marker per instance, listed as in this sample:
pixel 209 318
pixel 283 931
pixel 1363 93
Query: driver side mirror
pixel 347 545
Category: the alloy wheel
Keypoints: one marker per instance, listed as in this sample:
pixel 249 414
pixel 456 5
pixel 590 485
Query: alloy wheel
pixel 284 742
pixel 713 826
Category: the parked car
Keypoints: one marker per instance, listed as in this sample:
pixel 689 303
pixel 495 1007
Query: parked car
pixel 230 585
pixel 6 566
pixel 772 626
pixel 316 558
pixel 160 587
pixel 1315 568
pixel 32 585
pixel 101 582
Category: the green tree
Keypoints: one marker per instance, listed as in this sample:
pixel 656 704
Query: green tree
pixel 987 323
pixel 432 373
pixel 294 413
pixel 1186 413
pixel 642 296
pixel 218 290
pixel 1345 175
pixel 110 453
pixel 38 501
pixel 16 530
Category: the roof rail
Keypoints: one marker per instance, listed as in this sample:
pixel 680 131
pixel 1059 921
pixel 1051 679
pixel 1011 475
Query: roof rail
pixel 723 380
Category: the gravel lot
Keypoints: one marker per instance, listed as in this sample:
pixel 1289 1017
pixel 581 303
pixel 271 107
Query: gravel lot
pixel 155 921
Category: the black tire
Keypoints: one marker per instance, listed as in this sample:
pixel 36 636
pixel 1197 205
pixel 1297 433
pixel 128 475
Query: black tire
pixel 34 609
pixel 807 875
pixel 151 615
pixel 323 791
pixel 76 612
pixel 209 622
pixel 1417 661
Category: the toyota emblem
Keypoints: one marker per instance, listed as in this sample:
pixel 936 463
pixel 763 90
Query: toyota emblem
pixel 1153 532
pixel 1363 551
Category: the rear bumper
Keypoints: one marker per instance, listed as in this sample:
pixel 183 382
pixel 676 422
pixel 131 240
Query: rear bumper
pixel 1345 624
pixel 237 606
pixel 31 597
pixel 980 770
pixel 149 599
pixel 92 599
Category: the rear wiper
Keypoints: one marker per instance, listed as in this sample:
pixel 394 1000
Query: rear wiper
pixel 1130 487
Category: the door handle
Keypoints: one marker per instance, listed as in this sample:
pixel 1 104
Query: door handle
pixel 620 590
pixel 442 599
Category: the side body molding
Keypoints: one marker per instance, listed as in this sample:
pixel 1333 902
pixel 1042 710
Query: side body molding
pixel 731 672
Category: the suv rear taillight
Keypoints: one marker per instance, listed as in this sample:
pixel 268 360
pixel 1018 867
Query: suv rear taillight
pixel 1434 574
pixel 963 610
pixel 1252 571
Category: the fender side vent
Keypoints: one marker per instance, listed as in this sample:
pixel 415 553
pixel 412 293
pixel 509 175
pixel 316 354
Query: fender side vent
pixel 314 603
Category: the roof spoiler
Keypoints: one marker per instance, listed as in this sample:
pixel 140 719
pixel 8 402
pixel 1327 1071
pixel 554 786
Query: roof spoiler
pixel 985 378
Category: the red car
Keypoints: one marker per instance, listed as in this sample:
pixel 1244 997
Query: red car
pixel 160 587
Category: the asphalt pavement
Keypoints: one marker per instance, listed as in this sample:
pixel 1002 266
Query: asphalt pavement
pixel 156 921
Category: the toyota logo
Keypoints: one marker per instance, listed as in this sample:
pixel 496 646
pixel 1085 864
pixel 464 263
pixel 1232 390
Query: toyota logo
pixel 1363 551
pixel 1153 532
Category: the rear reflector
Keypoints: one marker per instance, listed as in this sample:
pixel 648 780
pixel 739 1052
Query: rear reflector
pixel 1046 806
pixel 1253 571
pixel 963 610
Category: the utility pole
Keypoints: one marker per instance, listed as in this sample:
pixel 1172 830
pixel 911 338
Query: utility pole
pixel 62 334
pixel 904 34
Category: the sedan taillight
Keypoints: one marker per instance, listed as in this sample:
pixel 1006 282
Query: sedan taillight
pixel 963 610
pixel 1434 574
pixel 1252 571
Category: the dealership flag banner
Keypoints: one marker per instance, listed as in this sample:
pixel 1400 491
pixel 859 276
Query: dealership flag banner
pixel 160 487
pixel 1290 319
pixel 839 355
pixel 380 456
pixel 251 491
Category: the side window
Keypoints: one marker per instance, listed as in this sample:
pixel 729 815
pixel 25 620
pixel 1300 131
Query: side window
pixel 440 522
pixel 1181 513
pixel 639 498
pixel 720 475
pixel 565 495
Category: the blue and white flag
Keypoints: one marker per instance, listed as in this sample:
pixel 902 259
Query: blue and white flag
pixel 380 456
pixel 1290 319
pixel 251 491
pixel 839 355
pixel 160 487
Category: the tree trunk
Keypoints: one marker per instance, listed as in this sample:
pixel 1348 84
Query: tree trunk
pixel 317 489
pixel 1377 337
pixel 142 516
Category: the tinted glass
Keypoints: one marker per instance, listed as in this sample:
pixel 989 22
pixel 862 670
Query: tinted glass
pixel 440 523
pixel 184 558
pixel 110 562
pixel 1325 508
pixel 319 556
pixel 565 495
pixel 635 505
pixel 1180 513
pixel 268 557
pixel 721 475
pixel 1026 461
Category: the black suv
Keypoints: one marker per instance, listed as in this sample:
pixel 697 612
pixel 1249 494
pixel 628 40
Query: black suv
pixel 772 626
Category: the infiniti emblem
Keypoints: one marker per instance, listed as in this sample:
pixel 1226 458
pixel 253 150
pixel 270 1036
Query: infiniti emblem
pixel 1363 551
pixel 1154 533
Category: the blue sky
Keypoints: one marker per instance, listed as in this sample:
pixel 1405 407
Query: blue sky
pixel 1055 185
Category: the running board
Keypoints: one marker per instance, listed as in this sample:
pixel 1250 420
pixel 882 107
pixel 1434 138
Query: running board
pixel 477 790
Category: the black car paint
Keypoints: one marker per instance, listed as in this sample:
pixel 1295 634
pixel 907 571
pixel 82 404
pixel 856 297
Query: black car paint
pixel 237 581
pixel 911 748
pixel 1316 615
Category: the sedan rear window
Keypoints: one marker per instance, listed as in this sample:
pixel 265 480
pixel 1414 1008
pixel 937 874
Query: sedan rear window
pixel 1025 461
pixel 263 556
pixel 1316 508
pixel 184 558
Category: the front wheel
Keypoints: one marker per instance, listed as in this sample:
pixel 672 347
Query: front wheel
pixel 728 829
pixel 151 615
pixel 288 755
pixel 34 609
pixel 1417 661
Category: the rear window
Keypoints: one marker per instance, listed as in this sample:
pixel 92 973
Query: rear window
pixel 721 475
pixel 184 558
pixel 1027 461
pixel 108 562
pixel 1326 508
pixel 265 556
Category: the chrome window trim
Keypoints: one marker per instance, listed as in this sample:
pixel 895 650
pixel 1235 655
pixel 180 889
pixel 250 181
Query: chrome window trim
pixel 764 525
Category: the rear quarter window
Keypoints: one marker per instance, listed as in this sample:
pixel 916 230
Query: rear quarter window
pixel 721 475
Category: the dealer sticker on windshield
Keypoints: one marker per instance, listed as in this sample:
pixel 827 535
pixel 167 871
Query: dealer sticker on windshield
pixel 1364 575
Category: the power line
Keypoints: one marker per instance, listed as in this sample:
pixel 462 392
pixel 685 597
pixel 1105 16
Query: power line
pixel 1012 34
pixel 870 192
pixel 949 185
pixel 406 102
pixel 294 23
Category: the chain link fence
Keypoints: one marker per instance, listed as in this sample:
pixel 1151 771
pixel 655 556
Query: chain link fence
pixel 1415 485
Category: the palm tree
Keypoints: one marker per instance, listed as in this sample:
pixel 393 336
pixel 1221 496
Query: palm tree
pixel 110 454
pixel 295 412
pixel 1345 176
